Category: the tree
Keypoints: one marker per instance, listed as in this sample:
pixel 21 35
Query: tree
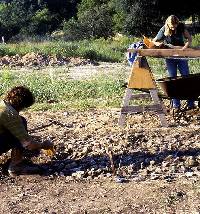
pixel 34 16
pixel 93 22
pixel 90 18
pixel 64 9
pixel 13 16
pixel 138 17
pixel 97 20
pixel 40 22
pixel 146 17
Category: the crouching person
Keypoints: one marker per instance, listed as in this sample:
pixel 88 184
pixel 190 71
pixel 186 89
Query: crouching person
pixel 13 131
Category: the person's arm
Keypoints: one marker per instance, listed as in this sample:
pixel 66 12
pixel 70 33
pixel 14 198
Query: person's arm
pixel 188 38
pixel 14 124
pixel 158 40
pixel 30 144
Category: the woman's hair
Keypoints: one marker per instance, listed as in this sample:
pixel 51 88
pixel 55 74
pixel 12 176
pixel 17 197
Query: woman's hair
pixel 19 97
pixel 171 20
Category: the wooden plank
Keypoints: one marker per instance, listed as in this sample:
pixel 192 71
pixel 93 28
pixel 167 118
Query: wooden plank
pixel 189 52
pixel 139 109
pixel 155 98
pixel 140 96
pixel 141 78
pixel 126 99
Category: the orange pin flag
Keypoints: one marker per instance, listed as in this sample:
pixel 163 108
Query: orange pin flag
pixel 50 152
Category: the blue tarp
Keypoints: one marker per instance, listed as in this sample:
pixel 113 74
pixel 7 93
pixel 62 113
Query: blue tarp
pixel 131 57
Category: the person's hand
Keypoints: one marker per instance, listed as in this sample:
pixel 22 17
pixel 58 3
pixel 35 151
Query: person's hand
pixel 157 44
pixel 34 145
pixel 161 45
pixel 187 45
pixel 48 148
pixel 184 47
pixel 170 46
pixel 30 144
pixel 47 144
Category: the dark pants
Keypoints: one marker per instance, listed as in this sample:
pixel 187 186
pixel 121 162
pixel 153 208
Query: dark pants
pixel 8 141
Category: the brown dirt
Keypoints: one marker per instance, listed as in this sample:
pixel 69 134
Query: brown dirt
pixel 158 167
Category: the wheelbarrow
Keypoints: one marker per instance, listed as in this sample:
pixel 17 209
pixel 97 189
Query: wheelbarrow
pixel 183 88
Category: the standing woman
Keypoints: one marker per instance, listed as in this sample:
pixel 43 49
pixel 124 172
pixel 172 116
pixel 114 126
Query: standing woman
pixel 173 34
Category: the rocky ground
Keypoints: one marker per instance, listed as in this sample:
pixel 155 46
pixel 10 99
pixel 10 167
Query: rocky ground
pixel 100 167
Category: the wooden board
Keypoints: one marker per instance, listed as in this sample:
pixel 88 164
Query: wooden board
pixel 138 109
pixel 189 52
pixel 141 78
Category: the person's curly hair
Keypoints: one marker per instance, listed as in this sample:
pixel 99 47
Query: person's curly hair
pixel 20 97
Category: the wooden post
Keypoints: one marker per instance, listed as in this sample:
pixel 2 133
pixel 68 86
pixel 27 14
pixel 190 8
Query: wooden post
pixel 125 102
pixel 161 114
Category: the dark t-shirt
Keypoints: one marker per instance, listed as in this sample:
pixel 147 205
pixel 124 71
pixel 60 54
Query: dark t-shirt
pixel 176 38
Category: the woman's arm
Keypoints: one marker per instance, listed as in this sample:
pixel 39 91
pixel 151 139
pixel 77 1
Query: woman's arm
pixel 158 40
pixel 160 35
pixel 188 38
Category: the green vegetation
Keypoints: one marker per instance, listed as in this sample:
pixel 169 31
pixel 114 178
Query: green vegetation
pixel 89 19
pixel 196 40
pixel 111 49
pixel 55 91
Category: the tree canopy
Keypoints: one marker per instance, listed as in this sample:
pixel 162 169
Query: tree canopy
pixel 80 19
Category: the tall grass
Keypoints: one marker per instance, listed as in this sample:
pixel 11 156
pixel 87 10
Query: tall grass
pixel 111 49
pixel 53 92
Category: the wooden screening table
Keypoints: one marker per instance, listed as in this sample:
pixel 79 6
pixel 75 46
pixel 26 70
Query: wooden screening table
pixel 141 78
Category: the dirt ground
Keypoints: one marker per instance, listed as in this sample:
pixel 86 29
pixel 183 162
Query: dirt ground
pixel 100 168
pixel 157 169
pixel 45 195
